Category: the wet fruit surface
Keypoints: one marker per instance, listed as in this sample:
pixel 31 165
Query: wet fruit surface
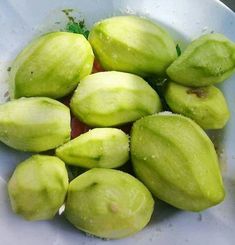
pixel 206 105
pixel 177 161
pixel 38 187
pixel 68 58
pixel 132 44
pixel 113 98
pixel 100 147
pixel 207 60
pixel 34 124
pixel 108 203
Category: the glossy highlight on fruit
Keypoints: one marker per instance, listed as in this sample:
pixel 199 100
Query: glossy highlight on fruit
pixel 108 203
pixel 34 124
pixel 177 161
pixel 207 60
pixel 206 105
pixel 51 66
pixel 38 187
pixel 132 44
pixel 113 98
pixel 99 147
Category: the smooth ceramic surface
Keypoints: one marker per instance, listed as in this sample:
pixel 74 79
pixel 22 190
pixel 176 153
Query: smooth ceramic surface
pixel 20 20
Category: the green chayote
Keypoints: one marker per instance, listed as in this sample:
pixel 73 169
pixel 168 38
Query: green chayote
pixel 34 124
pixel 132 44
pixel 113 98
pixel 177 161
pixel 38 187
pixel 99 147
pixel 108 203
pixel 51 66
pixel 206 105
pixel 207 60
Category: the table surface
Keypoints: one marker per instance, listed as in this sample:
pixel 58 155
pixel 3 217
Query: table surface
pixel 229 3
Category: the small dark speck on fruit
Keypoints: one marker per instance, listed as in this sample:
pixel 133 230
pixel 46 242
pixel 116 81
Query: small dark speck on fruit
pixel 31 72
pixel 93 184
pixel 113 207
pixel 199 92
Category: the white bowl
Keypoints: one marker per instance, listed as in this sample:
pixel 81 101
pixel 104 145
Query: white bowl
pixel 21 20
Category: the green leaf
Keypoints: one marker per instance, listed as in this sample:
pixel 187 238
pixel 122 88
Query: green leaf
pixel 77 27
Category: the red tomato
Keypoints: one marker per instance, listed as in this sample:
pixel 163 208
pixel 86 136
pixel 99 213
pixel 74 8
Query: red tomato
pixel 97 67
pixel 78 127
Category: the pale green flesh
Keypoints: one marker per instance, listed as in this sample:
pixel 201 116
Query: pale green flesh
pixel 113 98
pixel 132 44
pixel 207 60
pixel 108 203
pixel 34 124
pixel 38 187
pixel 177 161
pixel 101 147
pixel 209 108
pixel 51 66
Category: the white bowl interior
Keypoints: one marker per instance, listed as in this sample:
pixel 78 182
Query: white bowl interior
pixel 20 21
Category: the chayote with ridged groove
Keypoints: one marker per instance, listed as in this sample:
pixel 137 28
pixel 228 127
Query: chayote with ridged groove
pixel 177 161
pixel 38 187
pixel 132 44
pixel 108 203
pixel 99 147
pixel 207 60
pixel 34 124
pixel 51 66
pixel 113 98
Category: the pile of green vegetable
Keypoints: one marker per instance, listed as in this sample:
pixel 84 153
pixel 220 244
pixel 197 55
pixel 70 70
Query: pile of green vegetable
pixel 172 157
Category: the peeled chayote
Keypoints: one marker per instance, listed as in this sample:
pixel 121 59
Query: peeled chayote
pixel 206 105
pixel 108 203
pixel 51 66
pixel 177 161
pixel 207 60
pixel 132 44
pixel 34 124
pixel 38 187
pixel 113 98
pixel 99 147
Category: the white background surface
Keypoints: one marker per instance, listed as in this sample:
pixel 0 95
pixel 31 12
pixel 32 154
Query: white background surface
pixel 20 20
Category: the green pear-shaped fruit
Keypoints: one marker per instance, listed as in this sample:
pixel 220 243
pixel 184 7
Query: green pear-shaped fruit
pixel 132 44
pixel 206 105
pixel 51 66
pixel 38 187
pixel 34 124
pixel 108 203
pixel 99 147
pixel 177 161
pixel 113 98
pixel 207 60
